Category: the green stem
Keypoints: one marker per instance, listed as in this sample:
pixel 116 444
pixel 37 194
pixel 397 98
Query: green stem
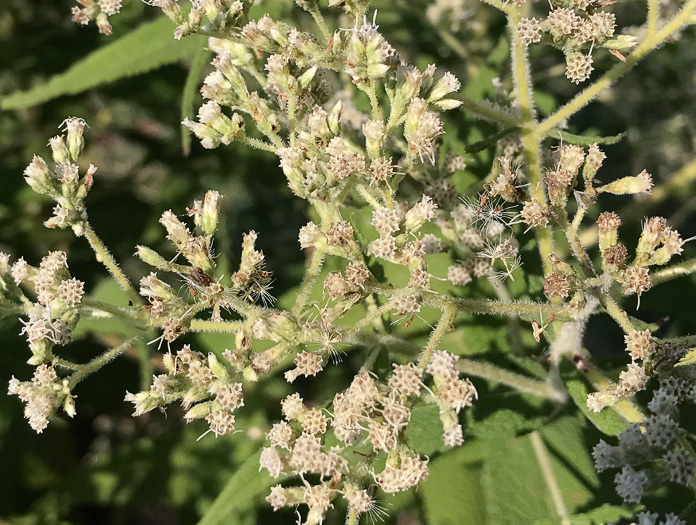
pixel 308 282
pixel 530 139
pixel 256 143
pixel 200 325
pixel 549 477
pixel 488 307
pixel 677 270
pixel 679 181
pixel 486 112
pixel 98 362
pixel 369 198
pixel 63 363
pixel 146 367
pixel 369 318
pixel 586 96
pixel 104 257
pixel 511 379
pixel 292 103
pixel 116 311
pixel 442 327
pixel 653 15
pixel 371 90
pixel 352 518
pixel 617 313
pixel 321 23
pixel 576 247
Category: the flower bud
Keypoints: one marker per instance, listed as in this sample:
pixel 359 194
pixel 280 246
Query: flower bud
pixel 621 42
pixel 60 149
pixel 335 118
pixel 443 87
pixel 374 131
pixel 38 176
pixel 210 211
pixel 306 77
pixel 151 257
pixel 199 411
pixel 641 183
pixel 218 368
pixel 144 401
pixel 76 141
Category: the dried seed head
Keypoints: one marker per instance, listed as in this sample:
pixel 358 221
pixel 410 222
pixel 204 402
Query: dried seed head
pixel 292 406
pixel 556 285
pixel 615 255
pixel 309 235
pixel 340 234
pixel 384 247
pixel 563 21
pixel 535 214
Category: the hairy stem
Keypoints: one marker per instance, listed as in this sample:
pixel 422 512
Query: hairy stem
pixel 442 327
pixel 308 282
pixel 649 44
pixel 104 257
pixel 98 362
pixel 511 379
pixel 676 270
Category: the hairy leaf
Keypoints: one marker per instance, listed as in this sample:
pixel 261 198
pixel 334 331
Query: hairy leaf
pixel 148 47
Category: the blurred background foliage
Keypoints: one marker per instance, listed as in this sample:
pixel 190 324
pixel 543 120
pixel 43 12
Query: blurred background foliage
pixel 106 467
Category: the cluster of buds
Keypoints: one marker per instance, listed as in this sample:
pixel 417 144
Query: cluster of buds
pixel 52 316
pixel 369 418
pixel 206 388
pixel 251 282
pixel 97 10
pixel 43 396
pixel 657 245
pixel 211 15
pixel 576 28
pixel 654 451
pixel 63 183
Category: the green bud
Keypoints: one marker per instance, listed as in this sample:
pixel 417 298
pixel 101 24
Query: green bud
pixel 209 213
pixel 621 42
pixel 151 257
pixel 306 77
pixel 39 177
pixel 76 142
pixel 199 411
pixel 335 118
pixel 218 368
pixel 641 183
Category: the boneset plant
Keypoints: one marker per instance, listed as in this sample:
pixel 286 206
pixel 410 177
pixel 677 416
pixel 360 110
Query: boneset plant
pixel 358 133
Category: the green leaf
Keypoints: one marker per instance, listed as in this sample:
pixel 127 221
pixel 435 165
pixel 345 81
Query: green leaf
pixel 424 430
pixel 188 97
pixel 245 485
pixel 515 488
pixel 148 47
pixel 453 493
pixel 608 421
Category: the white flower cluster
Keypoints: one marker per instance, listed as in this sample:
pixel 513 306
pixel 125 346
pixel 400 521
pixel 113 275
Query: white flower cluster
pixel 369 417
